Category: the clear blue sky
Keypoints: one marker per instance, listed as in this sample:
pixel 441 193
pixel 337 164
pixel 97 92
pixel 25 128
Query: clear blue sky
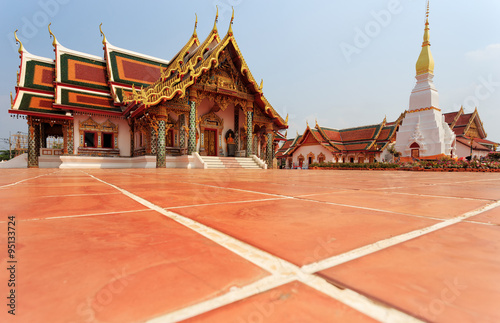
pixel 314 61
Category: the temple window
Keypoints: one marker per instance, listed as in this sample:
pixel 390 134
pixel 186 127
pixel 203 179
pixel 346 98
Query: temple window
pixel 352 160
pixel 321 158
pixel 90 139
pixel 98 139
pixel 107 140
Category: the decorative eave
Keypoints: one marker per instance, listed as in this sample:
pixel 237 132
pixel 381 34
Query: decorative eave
pixel 116 84
pixel 475 118
pixel 179 77
pixel 457 116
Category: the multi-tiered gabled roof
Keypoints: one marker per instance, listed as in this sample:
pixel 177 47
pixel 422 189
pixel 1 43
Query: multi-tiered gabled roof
pixel 35 88
pixel 80 82
pixel 373 138
pixel 187 68
pixel 123 83
pixel 467 126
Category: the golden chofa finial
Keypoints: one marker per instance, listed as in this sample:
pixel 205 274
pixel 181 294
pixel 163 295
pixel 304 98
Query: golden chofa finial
pixel 11 100
pixel 195 25
pixel 286 120
pixel 261 86
pixel 18 41
pixel 216 18
pixel 230 31
pixel 104 41
pixel 54 42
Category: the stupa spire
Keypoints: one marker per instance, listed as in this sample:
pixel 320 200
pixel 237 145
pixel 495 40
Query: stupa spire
pixel 425 62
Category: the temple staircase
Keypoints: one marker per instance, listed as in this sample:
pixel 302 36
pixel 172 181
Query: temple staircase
pixel 214 162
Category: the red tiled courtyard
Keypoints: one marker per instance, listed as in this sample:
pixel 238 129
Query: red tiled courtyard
pixel 167 245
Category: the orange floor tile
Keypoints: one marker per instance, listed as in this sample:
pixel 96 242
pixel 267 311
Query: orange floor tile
pixel 167 245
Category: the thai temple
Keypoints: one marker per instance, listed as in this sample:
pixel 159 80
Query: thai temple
pixel 421 132
pixel 197 109
pixel 204 109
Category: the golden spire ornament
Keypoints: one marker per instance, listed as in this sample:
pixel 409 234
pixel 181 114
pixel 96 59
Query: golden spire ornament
pixel 54 42
pixel 104 41
pixel 20 50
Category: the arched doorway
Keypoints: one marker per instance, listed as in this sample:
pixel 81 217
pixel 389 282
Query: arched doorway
pixel 301 161
pixel 415 150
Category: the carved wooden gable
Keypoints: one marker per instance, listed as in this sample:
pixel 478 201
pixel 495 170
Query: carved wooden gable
pixel 89 124
pixel 212 120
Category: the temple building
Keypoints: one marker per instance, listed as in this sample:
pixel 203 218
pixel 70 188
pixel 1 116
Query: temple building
pixel 424 133
pixel 421 132
pixel 365 144
pixel 149 111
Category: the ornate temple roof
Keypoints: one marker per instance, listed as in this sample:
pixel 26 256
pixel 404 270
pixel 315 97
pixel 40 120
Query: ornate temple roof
pixel 123 81
pixel 190 64
pixel 370 138
pixel 35 90
pixel 282 150
pixel 465 124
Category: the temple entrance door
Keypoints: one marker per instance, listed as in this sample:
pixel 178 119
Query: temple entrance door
pixel 415 150
pixel 169 141
pixel 210 143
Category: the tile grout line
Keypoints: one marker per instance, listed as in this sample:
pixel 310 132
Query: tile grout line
pixel 27 179
pixel 370 209
pixel 84 215
pixel 276 266
pixel 257 287
pixel 386 243
pixel 238 189
pixel 73 195
pixel 400 193
pixel 223 203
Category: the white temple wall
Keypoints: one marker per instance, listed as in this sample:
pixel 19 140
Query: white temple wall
pixel 315 149
pixel 430 134
pixel 123 132
pixel 464 151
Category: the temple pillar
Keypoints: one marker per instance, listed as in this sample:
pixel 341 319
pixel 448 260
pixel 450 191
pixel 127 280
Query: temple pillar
pixel 32 143
pixel 132 138
pixel 70 139
pixel 192 128
pixel 43 140
pixel 249 132
pixel 270 150
pixel 154 140
pixel 132 142
pixel 236 128
pixel 182 133
pixel 160 159
pixel 65 139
